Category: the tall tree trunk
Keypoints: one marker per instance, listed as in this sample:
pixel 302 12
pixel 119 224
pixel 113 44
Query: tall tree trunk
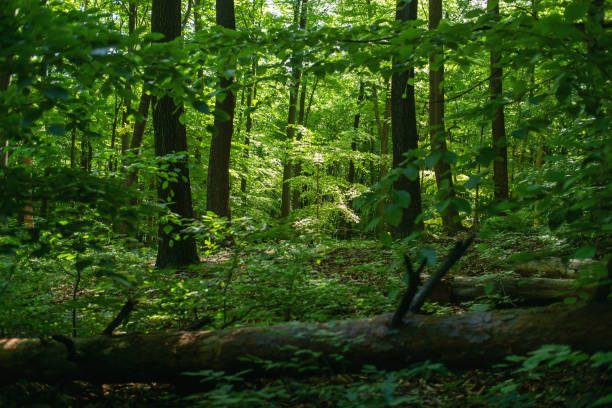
pixel 5 81
pixel 498 125
pixel 299 17
pixel 171 137
pixel 138 134
pixel 73 147
pixel 84 153
pixel 404 127
pixel 125 137
pixel 351 171
pixel 297 166
pixel 218 183
pixel 114 133
pixel 442 169
pixel 251 95
pixel 197 26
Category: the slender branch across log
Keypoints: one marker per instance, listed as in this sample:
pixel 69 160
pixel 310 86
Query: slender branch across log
pixel 121 317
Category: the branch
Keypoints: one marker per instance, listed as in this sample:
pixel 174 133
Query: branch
pixel 123 315
pixel 454 255
pixel 414 280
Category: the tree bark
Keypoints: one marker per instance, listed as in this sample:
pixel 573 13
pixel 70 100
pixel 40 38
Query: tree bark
pixel 468 340
pixel 5 82
pixel 351 171
pixel 171 137
pixel 137 136
pixel 296 200
pixel 218 182
pixel 299 17
pixel 498 125
pixel 437 134
pixel 251 95
pixel 404 127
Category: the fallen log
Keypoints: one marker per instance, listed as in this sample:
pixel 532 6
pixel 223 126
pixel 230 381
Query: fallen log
pixel 469 340
pixel 552 267
pixel 522 291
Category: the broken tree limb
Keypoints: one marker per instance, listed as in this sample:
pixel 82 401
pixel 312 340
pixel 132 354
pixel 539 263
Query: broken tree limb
pixel 453 256
pixel 522 291
pixel 468 340
pixel 414 281
pixel 552 267
pixel 121 317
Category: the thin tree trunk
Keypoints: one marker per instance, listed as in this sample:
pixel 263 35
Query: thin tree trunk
pixel 297 167
pixel 84 153
pixel 171 137
pixel 404 129
pixel 252 95
pixel 442 168
pixel 299 17
pixel 113 134
pixel 5 82
pixel 73 148
pixel 218 182
pixel 138 134
pixel 197 26
pixel 463 341
pixel 498 125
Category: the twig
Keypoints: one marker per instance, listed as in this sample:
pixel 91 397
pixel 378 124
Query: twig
pixel 122 316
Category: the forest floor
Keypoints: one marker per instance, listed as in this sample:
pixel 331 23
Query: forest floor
pixel 334 281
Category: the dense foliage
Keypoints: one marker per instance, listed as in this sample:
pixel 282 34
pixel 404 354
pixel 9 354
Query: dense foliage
pixel 80 207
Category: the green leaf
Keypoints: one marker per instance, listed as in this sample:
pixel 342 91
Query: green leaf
pixel 372 224
pixel 401 198
pixel 167 229
pixel 56 92
pixel 411 172
pixel 603 401
pixel 201 106
pixel 576 10
pixel 433 159
pixel 393 214
pixel 461 204
pixel 486 155
pixel 56 129
pixel 385 239
pixel 474 180
pixel 429 254
pixel 585 252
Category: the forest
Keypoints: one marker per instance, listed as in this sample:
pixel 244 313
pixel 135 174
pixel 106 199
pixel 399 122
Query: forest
pixel 306 203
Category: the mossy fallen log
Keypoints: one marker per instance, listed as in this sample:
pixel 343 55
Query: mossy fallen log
pixel 469 340
pixel 522 291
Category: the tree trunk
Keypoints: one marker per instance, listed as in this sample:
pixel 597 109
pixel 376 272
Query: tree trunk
pixel 297 166
pixel 251 95
pixel 351 172
pixel 404 127
pixel 299 17
pixel 498 125
pixel 137 136
pixel 171 137
pixel 468 340
pixel 442 168
pixel 5 82
pixel 218 182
